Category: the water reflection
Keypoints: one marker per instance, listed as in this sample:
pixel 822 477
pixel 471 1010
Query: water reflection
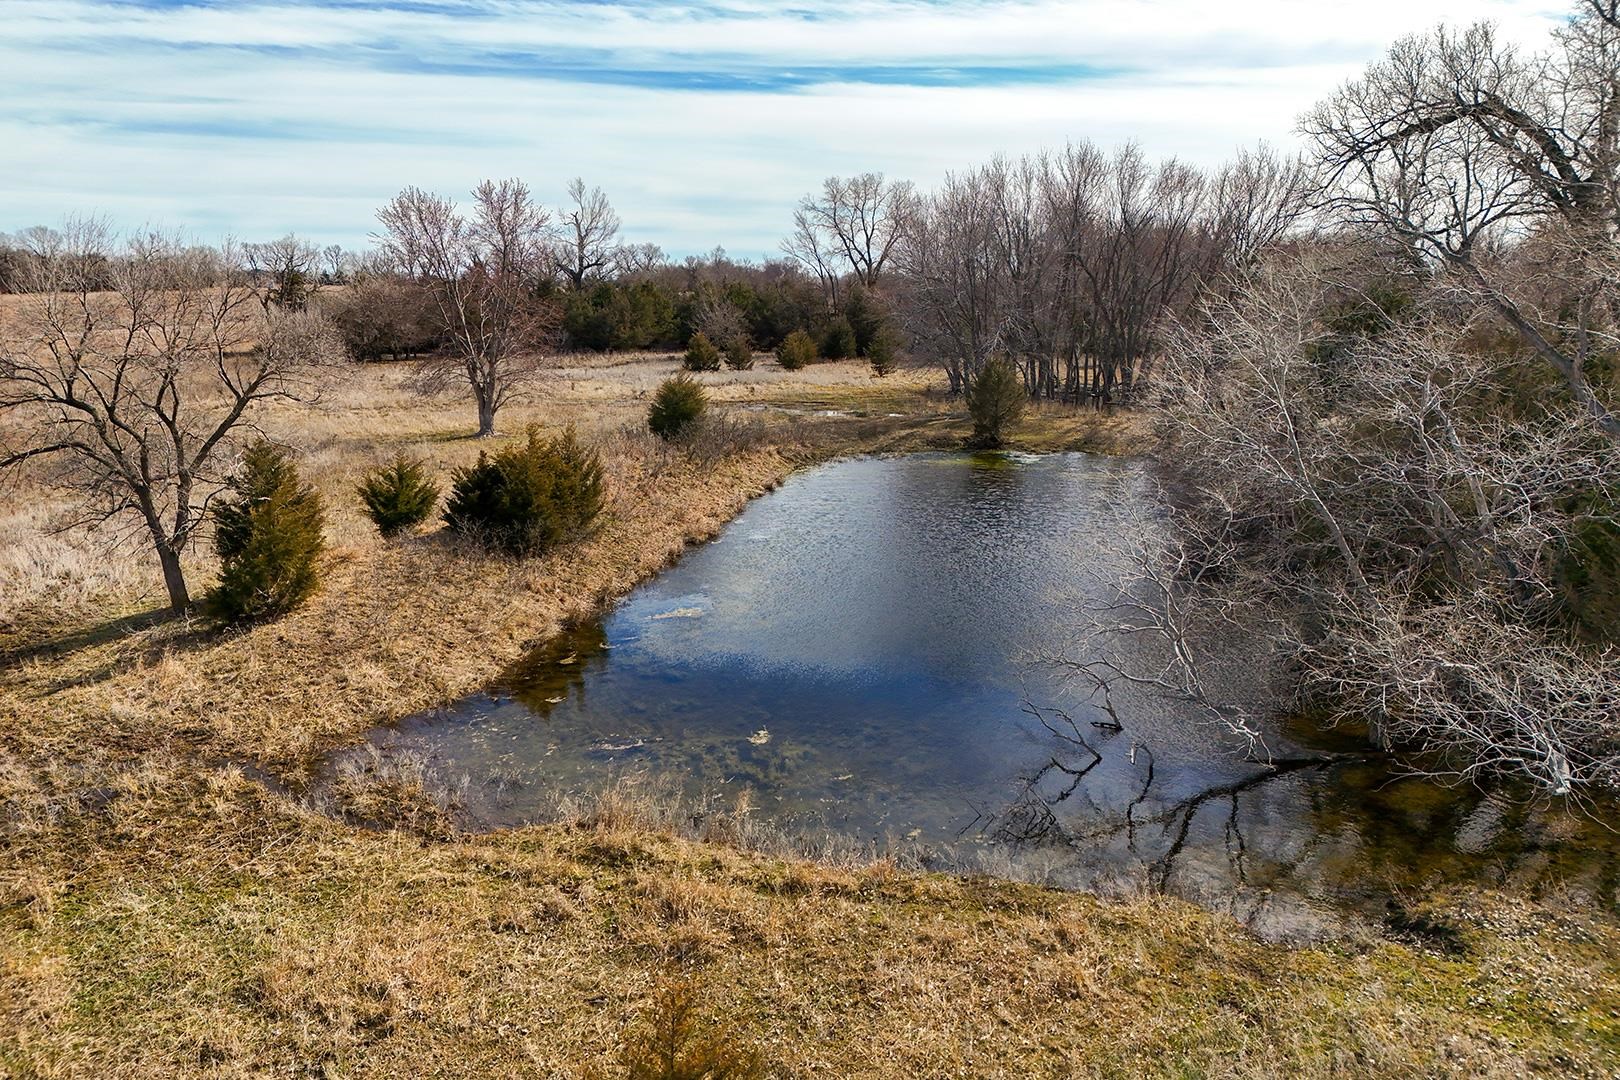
pixel 852 650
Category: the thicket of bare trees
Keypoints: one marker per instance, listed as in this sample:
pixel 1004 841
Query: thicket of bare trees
pixel 485 273
pixel 1414 507
pixel 137 363
pixel 1069 264
pixel 1398 436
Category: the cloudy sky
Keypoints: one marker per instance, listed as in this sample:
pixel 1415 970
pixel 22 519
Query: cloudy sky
pixel 703 121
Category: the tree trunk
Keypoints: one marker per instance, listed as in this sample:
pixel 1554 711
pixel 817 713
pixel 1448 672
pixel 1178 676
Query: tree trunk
pixel 174 578
pixel 486 417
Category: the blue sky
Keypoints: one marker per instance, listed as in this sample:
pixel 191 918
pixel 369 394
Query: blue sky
pixel 704 122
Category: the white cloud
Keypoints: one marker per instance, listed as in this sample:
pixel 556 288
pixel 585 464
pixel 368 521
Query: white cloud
pixel 257 118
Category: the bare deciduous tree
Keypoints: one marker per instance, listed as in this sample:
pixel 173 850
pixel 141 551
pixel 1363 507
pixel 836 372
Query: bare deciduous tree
pixel 140 388
pixel 1463 148
pixel 1257 200
pixel 286 272
pixel 717 318
pixel 951 296
pixel 589 228
pixel 852 227
pixel 812 250
pixel 335 264
pixel 483 273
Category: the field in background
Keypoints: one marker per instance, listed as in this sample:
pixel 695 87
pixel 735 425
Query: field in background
pixel 367 413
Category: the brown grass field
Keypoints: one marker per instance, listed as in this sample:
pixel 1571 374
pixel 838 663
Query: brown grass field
pixel 172 904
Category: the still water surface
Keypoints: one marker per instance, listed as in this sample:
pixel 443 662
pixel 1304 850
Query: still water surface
pixel 855 652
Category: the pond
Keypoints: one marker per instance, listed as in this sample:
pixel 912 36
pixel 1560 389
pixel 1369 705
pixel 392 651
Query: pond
pixel 855 657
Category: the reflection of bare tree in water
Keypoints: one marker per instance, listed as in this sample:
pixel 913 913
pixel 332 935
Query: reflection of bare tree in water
pixel 1160 626
pixel 1362 831
pixel 1032 817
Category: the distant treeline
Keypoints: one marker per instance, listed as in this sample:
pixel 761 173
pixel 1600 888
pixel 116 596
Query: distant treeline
pixel 383 313
pixel 1067 265
pixel 387 316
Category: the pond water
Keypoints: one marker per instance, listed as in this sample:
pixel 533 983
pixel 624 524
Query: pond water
pixel 856 653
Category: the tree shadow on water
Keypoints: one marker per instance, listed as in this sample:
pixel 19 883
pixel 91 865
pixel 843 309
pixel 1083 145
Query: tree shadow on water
pixel 544 678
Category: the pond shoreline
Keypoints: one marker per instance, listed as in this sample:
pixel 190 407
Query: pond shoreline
pixel 133 855
pixel 728 686
pixel 753 475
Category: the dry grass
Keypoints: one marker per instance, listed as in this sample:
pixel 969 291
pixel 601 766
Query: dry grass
pixel 399 626
pixel 171 905
pixel 202 923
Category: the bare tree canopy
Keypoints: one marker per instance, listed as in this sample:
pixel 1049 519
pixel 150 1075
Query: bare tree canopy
pixel 852 227
pixel 1069 263
pixel 335 264
pixel 630 260
pixel 484 273
pixel 285 272
pixel 1468 151
pixel 589 230
pixel 140 387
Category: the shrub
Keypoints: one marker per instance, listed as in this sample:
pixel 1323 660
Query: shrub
pixel 380 315
pixel 796 351
pixel 268 536
pixel 701 355
pixel 399 495
pixel 527 498
pixel 838 342
pixel 739 354
pixel 1588 569
pixel 882 352
pixel 868 319
pixel 678 404
pixel 676 1041
pixel 721 436
pixel 995 402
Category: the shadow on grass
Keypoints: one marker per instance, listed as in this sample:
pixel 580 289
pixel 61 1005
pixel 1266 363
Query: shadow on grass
pixel 181 633
pixel 461 435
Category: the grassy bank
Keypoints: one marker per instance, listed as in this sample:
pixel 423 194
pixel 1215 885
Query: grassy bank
pixel 195 922
pixel 165 912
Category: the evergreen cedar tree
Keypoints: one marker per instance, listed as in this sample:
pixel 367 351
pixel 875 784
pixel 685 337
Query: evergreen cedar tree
pixel 399 495
pixel 268 535
pixel 739 354
pixel 839 341
pixel 796 351
pixel 882 352
pixel 995 402
pixel 701 354
pixel 678 404
pixel 528 498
